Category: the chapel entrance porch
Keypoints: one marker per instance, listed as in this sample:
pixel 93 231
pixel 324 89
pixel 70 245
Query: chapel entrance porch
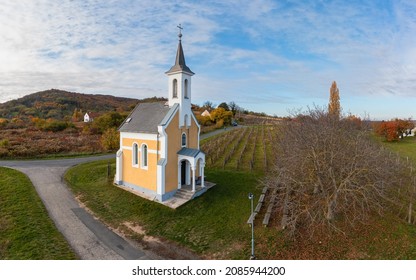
pixel 191 165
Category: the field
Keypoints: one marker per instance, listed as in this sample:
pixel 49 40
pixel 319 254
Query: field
pixel 26 231
pixel 14 143
pixel 244 149
pixel 215 225
pixel 405 147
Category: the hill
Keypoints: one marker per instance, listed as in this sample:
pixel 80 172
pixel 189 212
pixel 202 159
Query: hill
pixel 58 104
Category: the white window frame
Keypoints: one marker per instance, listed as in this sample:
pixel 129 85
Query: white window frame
pixel 186 140
pixel 144 156
pixel 175 88
pixel 135 155
pixel 186 89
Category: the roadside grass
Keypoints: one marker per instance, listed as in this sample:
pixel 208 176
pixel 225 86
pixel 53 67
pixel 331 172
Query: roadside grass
pixel 213 225
pixel 405 147
pixel 26 231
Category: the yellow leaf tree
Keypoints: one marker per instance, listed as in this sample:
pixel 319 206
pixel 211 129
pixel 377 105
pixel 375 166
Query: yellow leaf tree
pixel 334 106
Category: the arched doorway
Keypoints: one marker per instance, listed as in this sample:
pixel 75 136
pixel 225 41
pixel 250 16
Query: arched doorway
pixel 185 174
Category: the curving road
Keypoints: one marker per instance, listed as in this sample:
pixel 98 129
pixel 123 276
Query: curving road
pixel 90 239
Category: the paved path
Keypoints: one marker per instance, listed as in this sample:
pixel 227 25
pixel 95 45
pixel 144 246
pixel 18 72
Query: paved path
pixel 218 131
pixel 89 238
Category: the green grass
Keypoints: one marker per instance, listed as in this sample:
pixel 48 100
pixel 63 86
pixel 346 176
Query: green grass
pixel 26 232
pixel 405 147
pixel 212 224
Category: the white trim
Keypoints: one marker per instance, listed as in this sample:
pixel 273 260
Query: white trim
pixel 137 135
pixel 197 125
pixel 148 150
pixel 161 169
pixel 133 155
pixel 186 140
pixel 119 166
pixel 142 166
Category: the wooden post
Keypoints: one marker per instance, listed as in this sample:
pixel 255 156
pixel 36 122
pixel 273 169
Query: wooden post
pixel 108 169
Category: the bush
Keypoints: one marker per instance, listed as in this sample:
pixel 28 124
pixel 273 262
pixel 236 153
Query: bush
pixel 3 123
pixel 204 120
pixel 110 140
pixel 220 123
pixel 51 124
pixel 4 143
pixel 106 121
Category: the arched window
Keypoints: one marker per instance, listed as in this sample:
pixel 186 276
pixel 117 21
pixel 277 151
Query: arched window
pixel 184 139
pixel 144 155
pixel 135 154
pixel 186 88
pixel 175 88
pixel 186 121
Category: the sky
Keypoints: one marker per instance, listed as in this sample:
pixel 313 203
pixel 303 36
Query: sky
pixel 276 57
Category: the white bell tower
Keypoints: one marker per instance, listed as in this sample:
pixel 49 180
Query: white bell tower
pixel 180 85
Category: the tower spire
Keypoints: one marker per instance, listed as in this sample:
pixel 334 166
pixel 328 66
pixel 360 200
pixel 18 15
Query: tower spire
pixel 180 64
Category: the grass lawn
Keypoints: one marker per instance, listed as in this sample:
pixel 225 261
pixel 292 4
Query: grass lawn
pixel 405 147
pixel 213 225
pixel 26 231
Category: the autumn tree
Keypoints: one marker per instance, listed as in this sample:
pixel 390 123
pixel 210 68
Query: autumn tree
pixel 220 115
pixel 110 140
pixel 106 121
pixel 77 115
pixel 334 106
pixel 328 171
pixel 208 105
pixel 233 107
pixel 224 106
pixel 394 130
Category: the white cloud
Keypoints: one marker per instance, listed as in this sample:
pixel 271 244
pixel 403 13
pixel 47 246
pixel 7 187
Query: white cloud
pixel 248 51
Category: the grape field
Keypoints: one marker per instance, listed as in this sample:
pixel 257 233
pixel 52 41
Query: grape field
pixel 244 149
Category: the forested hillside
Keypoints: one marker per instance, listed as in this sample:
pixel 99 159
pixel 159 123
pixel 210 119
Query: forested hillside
pixel 58 104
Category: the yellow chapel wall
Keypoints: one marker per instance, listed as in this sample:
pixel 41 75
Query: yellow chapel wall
pixel 136 175
pixel 173 146
pixel 193 135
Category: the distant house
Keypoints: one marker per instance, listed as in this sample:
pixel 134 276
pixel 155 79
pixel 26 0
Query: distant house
pixel 89 117
pixel 206 114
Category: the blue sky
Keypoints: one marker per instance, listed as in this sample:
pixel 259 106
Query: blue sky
pixel 267 56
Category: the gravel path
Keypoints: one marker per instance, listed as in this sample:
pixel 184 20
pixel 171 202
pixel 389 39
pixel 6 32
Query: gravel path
pixel 218 131
pixel 90 239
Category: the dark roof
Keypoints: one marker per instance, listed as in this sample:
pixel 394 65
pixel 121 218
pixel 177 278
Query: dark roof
pixel 189 152
pixel 146 117
pixel 180 64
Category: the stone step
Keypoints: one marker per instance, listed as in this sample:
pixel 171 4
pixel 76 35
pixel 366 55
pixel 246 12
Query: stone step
pixel 184 194
pixel 183 197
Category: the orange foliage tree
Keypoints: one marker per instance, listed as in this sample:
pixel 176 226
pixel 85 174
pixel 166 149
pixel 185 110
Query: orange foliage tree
pixel 393 130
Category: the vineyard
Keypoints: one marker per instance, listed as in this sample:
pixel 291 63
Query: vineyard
pixel 246 149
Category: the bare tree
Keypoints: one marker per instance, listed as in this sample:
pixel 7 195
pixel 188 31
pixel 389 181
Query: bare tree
pixel 208 105
pixel 327 169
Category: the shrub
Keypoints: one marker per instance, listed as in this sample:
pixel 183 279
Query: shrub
pixel 4 143
pixel 110 140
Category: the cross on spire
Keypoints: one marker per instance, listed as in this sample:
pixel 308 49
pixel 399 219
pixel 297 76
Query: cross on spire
pixel 180 31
